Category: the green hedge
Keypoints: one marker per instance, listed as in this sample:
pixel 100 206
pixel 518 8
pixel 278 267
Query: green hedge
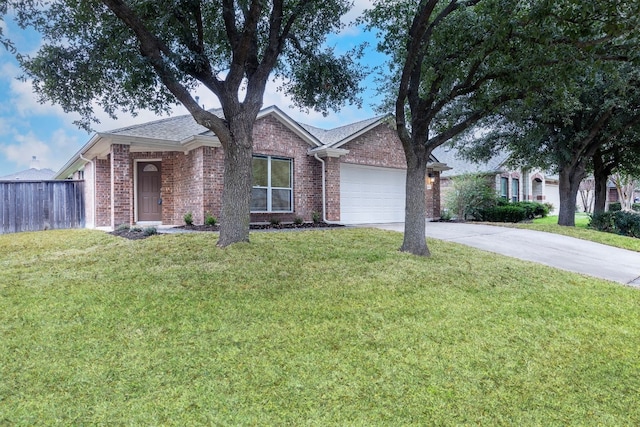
pixel 513 212
pixel 618 222
pixel 505 213
pixel 616 206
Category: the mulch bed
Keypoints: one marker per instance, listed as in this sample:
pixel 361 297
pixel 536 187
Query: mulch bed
pixel 134 234
pixel 130 234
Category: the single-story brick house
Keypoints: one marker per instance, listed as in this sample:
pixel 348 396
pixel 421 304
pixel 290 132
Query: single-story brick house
pixel 156 172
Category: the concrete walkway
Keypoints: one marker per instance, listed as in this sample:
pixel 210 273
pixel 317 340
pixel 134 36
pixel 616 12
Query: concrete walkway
pixel 566 253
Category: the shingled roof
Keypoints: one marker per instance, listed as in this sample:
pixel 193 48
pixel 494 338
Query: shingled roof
pixel 176 128
pixel 332 137
pixel 461 166
pixel 182 132
pixel 30 175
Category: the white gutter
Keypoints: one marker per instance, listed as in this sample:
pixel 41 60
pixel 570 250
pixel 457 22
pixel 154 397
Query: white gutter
pixel 324 196
pixel 93 172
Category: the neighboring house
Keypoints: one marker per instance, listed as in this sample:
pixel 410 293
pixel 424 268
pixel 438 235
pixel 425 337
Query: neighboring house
pixel 511 184
pixel 30 175
pixel 155 173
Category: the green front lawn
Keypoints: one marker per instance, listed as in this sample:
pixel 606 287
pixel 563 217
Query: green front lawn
pixel 306 328
pixel 581 218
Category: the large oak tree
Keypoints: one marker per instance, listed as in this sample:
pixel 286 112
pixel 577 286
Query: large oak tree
pixel 150 54
pixel 456 62
pixel 596 123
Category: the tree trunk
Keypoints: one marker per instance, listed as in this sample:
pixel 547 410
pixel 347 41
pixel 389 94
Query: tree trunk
pixel 570 178
pixel 600 192
pixel 415 240
pixel 236 192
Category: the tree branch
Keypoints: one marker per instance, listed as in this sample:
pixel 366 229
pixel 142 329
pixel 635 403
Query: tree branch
pixel 152 49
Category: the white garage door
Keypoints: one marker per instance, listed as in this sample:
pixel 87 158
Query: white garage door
pixel 552 195
pixel 371 194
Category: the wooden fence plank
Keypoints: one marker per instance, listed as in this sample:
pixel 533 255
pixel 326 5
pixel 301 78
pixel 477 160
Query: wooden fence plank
pixel 40 205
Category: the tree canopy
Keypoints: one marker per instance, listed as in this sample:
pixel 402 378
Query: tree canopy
pixel 456 63
pixel 599 116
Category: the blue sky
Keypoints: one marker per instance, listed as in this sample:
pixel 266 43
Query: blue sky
pixel 29 128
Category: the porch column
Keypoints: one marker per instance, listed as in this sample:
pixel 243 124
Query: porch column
pixel 332 177
pixel 121 186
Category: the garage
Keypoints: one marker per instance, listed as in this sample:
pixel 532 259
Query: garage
pixel 371 194
pixel 552 195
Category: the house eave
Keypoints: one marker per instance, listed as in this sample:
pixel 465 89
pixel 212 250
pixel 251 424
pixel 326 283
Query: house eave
pixel 438 167
pixel 325 152
pixel 291 124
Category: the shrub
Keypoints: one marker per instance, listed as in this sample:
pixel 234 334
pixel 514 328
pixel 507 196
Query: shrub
pixel 150 231
pixel 471 194
pixel 136 229
pixel 210 219
pixel 506 213
pixel 636 207
pixel 274 221
pixel 618 222
pixel 533 209
pixel 188 218
pixel 445 215
pixel 123 227
pixel 615 207
pixel 316 217
pixel 297 220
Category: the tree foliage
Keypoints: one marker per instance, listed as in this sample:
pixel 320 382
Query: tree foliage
pixel 454 63
pixel 470 195
pixel 598 114
pixel 150 54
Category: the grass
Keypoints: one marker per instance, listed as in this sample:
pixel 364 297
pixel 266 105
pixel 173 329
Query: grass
pixel 580 231
pixel 306 328
pixel 581 219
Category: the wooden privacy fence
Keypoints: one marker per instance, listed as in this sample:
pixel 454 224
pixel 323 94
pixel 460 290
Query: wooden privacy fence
pixel 41 205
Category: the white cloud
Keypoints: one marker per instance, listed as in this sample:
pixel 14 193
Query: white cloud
pixel 51 154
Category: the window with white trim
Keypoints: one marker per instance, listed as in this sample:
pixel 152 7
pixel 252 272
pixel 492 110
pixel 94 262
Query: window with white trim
pixel 272 184
pixel 504 187
pixel 515 190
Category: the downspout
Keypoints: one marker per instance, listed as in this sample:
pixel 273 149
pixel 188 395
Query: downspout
pixel 324 197
pixel 93 172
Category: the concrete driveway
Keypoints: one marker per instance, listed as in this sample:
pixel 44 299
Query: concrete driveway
pixel 566 253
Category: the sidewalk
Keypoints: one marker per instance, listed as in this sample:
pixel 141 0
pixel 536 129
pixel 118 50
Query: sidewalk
pixel 566 253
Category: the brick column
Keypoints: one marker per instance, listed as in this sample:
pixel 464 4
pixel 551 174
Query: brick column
pixel 332 183
pixel 121 186
pixel 103 192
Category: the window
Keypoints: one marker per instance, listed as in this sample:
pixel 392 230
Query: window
pixel 515 190
pixel 272 185
pixel 504 188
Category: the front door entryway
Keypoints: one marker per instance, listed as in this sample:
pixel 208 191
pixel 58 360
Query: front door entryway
pixel 149 183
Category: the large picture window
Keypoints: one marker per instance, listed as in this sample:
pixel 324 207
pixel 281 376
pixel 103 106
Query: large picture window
pixel 272 185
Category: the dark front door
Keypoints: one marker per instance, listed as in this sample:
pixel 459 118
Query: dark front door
pixel 149 201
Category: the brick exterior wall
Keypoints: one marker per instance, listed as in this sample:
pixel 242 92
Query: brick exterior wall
pixel 272 138
pixel 103 192
pixel 193 181
pixel 121 186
